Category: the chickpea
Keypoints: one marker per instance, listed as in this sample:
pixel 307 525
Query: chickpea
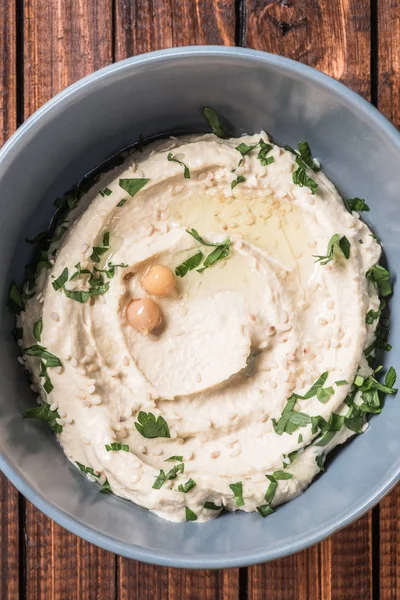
pixel 143 315
pixel 158 281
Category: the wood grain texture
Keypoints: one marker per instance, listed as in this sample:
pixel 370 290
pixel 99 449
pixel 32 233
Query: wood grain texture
pixel 330 35
pixel 388 102
pixel 9 522
pixel 334 37
pixel 144 25
pixel 139 581
pixel 63 41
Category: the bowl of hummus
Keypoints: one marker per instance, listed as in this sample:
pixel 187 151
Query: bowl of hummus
pixel 205 325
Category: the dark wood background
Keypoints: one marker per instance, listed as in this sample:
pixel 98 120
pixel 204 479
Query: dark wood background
pixel 44 46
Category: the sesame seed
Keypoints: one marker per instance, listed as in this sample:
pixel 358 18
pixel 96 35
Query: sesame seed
pixel 91 389
pixel 263 417
pixel 84 248
pixel 157 452
pixel 135 478
pixel 125 361
pixel 20 343
pixel 215 454
pixel 33 387
pixel 96 400
pixel 54 406
pixel 74 362
pixel 58 370
pixel 55 316
pixel 312 244
pixel 20 360
pixel 60 422
pixel 62 414
pixel 235 452
pixel 69 420
pixel 252 316
pixel 271 330
pixel 321 321
pixel 81 371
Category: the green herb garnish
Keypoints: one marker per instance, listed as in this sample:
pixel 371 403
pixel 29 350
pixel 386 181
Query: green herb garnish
pixel 222 250
pixel 357 204
pixel 43 413
pixel 172 458
pixel 211 506
pixel 214 121
pixel 381 277
pixel 189 264
pixel 37 329
pixel 162 477
pixel 371 316
pixel 15 301
pixel 190 515
pixel 114 446
pixel 336 243
pixel 98 251
pixel 237 489
pixel 150 427
pixel 239 179
pixel 320 460
pixel 300 177
pixel 122 202
pixel 265 510
pixel 105 192
pixel 186 487
pixel 133 186
pixel 172 158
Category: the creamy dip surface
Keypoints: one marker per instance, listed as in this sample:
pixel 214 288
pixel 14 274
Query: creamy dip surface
pixel 228 401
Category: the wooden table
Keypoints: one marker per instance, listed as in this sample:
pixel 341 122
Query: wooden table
pixel 44 46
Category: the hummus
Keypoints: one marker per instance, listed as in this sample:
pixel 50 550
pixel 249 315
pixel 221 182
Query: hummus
pixel 257 368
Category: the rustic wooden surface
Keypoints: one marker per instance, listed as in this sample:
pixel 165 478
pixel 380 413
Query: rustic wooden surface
pixel 44 46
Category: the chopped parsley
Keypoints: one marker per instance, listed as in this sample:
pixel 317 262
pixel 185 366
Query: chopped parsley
pixel 105 488
pixel 357 204
pixel 105 192
pixel 221 251
pixel 133 186
pixel 173 458
pixel 371 316
pixel 189 264
pixel 300 439
pixel 214 121
pixel 315 386
pixel 262 154
pixel 172 158
pixel 98 251
pixel 43 413
pixel 290 419
pixel 237 489
pixel 381 278
pixel 162 477
pixel 47 360
pixel 114 446
pixel 37 329
pixel 341 382
pixel 211 506
pixel 306 156
pixel 304 160
pixel 122 202
pixel 320 460
pixel 300 178
pixel 186 487
pixel 150 427
pixel 239 179
pixel 15 301
pixel 265 510
pixel 190 515
pixel 335 244
pixel 281 475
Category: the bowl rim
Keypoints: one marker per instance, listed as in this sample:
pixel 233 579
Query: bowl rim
pixel 15 475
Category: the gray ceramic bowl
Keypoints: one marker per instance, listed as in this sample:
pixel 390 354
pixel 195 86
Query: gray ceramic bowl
pixel 77 130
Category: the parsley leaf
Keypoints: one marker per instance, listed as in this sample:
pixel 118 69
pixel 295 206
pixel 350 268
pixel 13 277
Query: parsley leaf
pixel 290 419
pixel 301 179
pixel 186 487
pixel 172 158
pixel 265 510
pixel 280 475
pixel 190 515
pixel 61 280
pixel 237 489
pixel 15 301
pixel 357 204
pixel 133 186
pixel 150 427
pixel 189 264
pixel 43 413
pixel 239 179
pixel 105 192
pixel 316 386
pixel 114 446
pixel 172 458
pixel 381 277
pixel 87 470
pixel 37 329
pixel 211 506
pixel 214 121
pixel 98 251
pixel 37 350
pixel 390 378
pixel 262 154
pixel 335 244
pixel 305 153
pixel 105 488
pixel 371 316
pixel 320 460
pixel 122 202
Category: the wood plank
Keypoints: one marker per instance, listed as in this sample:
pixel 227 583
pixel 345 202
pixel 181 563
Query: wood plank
pixel 139 581
pixel 334 38
pixel 388 101
pixel 390 546
pixel 63 41
pixel 142 26
pixel 292 578
pixel 9 522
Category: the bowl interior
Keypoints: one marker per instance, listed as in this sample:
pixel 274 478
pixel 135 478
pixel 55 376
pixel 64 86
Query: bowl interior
pixel 162 93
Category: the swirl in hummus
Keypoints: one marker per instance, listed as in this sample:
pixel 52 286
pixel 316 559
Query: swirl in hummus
pixel 188 383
